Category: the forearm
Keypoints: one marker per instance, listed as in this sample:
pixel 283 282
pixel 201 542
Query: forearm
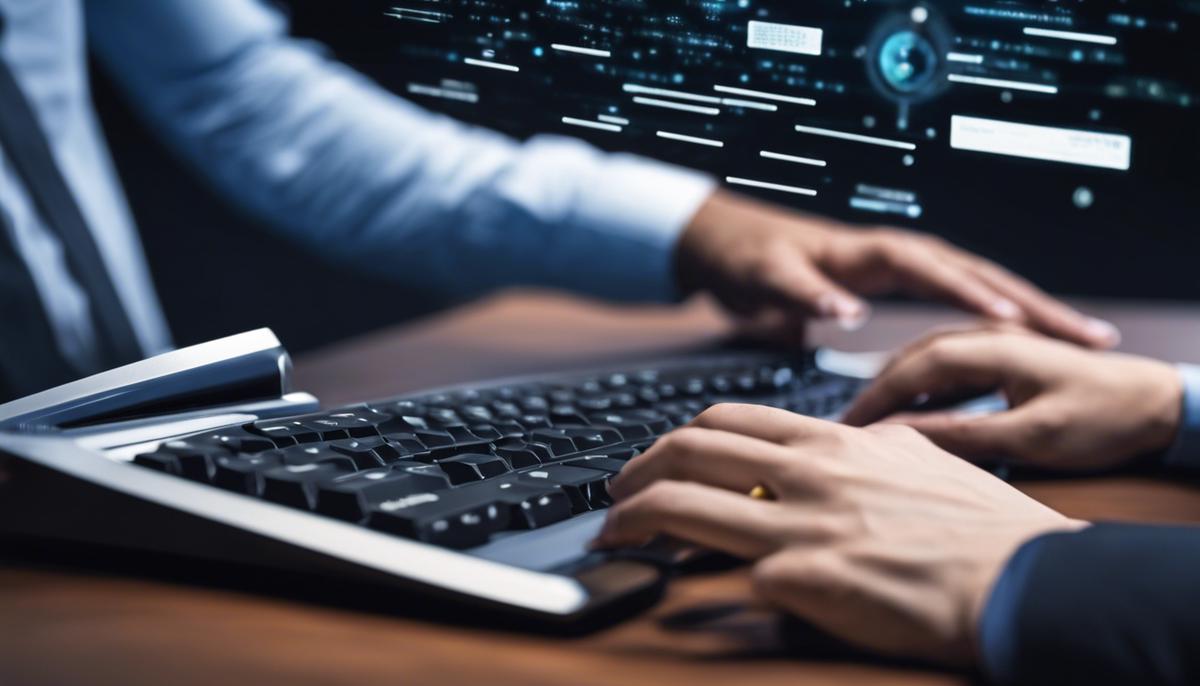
pixel 332 160
pixel 1110 604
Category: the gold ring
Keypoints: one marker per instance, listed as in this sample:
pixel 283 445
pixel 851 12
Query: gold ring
pixel 760 492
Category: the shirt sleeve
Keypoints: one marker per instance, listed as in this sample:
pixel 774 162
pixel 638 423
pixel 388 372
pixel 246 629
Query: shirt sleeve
pixel 1185 451
pixel 330 159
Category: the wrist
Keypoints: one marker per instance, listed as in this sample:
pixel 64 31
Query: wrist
pixel 729 235
pixel 1166 391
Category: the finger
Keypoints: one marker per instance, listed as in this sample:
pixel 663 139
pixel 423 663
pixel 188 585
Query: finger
pixel 973 437
pixel 759 421
pixel 941 333
pixel 707 516
pixel 956 365
pixel 797 283
pixel 713 458
pixel 1047 314
pixel 929 273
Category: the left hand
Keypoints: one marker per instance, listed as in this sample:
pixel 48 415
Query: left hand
pixel 780 268
pixel 1069 408
pixel 875 535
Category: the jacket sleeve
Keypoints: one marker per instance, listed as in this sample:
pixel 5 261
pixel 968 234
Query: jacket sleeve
pixel 1111 604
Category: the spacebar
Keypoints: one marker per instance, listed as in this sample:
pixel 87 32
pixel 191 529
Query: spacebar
pixel 545 548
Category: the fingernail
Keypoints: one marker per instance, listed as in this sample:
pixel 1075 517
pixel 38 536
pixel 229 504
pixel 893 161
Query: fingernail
pixel 1102 331
pixel 1004 308
pixel 850 313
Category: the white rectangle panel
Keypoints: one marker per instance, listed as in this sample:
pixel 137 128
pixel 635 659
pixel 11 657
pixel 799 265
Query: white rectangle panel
pixel 1053 144
pixel 803 40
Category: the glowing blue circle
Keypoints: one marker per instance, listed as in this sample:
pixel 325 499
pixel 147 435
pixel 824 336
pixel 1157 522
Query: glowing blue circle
pixel 907 61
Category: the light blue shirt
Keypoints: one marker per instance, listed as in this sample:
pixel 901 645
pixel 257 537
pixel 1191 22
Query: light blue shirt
pixel 1185 453
pixel 325 157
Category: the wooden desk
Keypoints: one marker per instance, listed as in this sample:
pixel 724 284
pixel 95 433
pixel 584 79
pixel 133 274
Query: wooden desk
pixel 64 625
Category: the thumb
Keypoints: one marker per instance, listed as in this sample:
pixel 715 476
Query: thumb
pixel 797 282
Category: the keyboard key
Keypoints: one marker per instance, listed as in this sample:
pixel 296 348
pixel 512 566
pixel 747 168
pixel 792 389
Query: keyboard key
pixel 284 432
pixel 617 380
pixel 505 408
pixel 521 454
pixel 628 427
pixel 458 518
pixel 295 485
pixel 159 462
pixel 351 496
pixel 598 462
pixel 367 453
pixel 591 437
pixel 473 467
pixel 475 414
pixel 195 460
pixel 565 440
pixel 529 422
pixel 534 404
pixel 241 474
pixel 348 423
pixel 566 414
pixel 443 417
pixel 474 445
pixel 315 454
pixel 597 404
pixel 234 440
pixel 434 438
pixel 532 507
pixel 586 488
pixel 405 445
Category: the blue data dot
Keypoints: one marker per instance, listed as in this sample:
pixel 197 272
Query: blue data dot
pixel 1083 197
pixel 538 51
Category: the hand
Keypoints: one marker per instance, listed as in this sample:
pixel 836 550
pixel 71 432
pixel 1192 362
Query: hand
pixel 781 267
pixel 875 535
pixel 1070 408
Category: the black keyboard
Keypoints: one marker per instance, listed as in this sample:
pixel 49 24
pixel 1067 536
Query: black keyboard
pixel 461 467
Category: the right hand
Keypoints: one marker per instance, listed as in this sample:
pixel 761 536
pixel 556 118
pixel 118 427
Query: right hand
pixel 779 268
pixel 1070 409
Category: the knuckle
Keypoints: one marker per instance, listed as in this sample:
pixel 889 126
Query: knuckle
pixel 770 576
pixel 894 432
pixel 944 352
pixel 715 415
pixel 683 441
pixel 1047 428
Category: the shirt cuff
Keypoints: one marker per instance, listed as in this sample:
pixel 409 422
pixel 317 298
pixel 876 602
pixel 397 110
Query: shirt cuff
pixel 1185 451
pixel 648 204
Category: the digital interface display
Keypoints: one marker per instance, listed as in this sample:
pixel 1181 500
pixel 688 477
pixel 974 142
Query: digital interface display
pixel 969 119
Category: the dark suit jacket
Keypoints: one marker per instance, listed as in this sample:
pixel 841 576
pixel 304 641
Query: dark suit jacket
pixel 1113 603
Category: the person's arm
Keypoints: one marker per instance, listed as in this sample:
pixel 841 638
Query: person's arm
pixel 328 157
pixel 1111 604
pixel 331 159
